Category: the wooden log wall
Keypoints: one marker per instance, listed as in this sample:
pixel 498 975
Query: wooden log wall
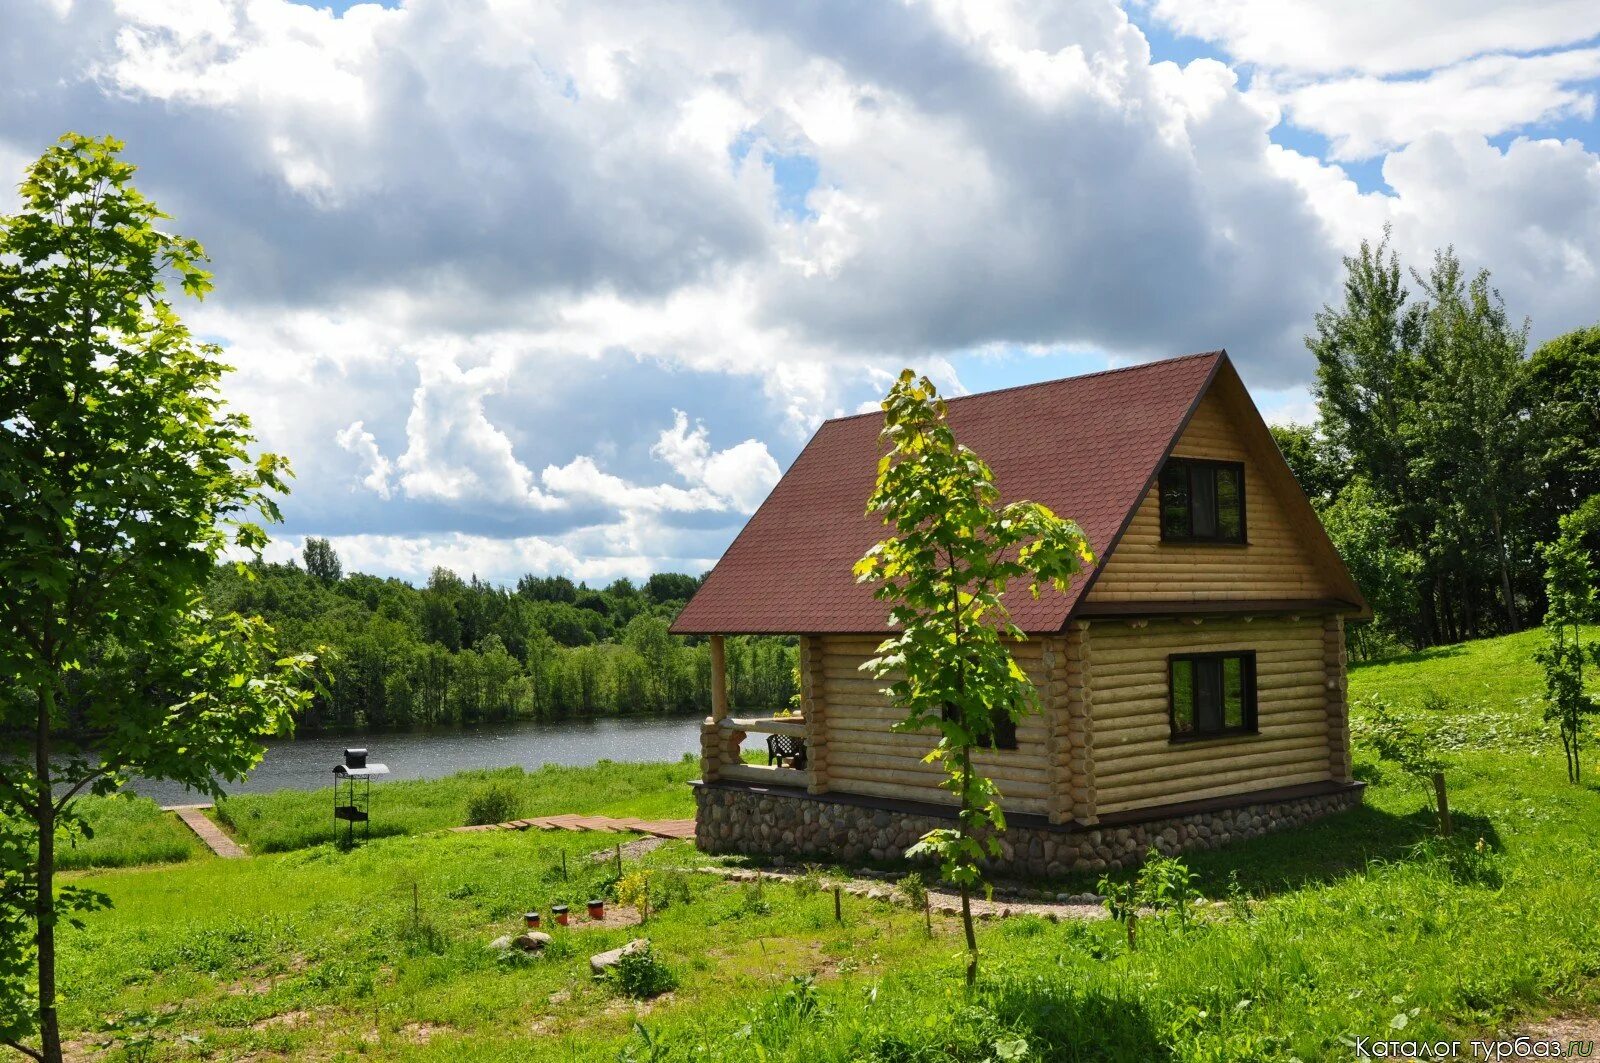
pixel 1335 675
pixel 865 756
pixel 1135 762
pixel 1073 699
pixel 1274 565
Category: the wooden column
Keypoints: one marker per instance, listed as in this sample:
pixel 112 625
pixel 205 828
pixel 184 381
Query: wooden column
pixel 1334 665
pixel 1079 700
pixel 713 739
pixel 814 705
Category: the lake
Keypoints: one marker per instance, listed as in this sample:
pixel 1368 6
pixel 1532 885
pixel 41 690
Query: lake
pixel 307 763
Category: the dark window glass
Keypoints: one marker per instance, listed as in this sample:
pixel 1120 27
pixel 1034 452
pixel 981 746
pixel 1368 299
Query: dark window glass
pixel 1212 694
pixel 1202 501
pixel 1182 695
pixel 1175 501
pixel 1005 730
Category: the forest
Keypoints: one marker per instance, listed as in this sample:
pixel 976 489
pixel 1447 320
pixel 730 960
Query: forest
pixel 1443 454
pixel 462 651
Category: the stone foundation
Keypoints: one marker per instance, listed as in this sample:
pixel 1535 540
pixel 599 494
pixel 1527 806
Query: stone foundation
pixel 844 828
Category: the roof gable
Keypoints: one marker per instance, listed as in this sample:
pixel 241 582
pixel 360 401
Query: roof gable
pixel 1088 447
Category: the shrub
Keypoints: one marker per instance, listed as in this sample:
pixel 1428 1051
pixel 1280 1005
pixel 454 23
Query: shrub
pixel 495 803
pixel 1166 884
pixel 914 890
pixel 642 975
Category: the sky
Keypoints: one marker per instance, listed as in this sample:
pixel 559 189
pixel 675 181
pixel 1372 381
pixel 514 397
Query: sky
pixel 563 287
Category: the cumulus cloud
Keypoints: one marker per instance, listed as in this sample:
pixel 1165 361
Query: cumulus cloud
pixel 473 257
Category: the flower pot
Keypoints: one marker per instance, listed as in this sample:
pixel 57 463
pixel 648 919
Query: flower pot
pixel 560 912
pixel 532 919
pixel 597 909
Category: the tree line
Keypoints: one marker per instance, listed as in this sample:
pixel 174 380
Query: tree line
pixel 462 651
pixel 1443 454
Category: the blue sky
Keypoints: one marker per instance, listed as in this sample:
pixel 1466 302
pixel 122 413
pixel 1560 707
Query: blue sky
pixel 562 288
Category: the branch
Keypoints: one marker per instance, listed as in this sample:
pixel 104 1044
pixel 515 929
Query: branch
pixel 25 1050
pixel 80 784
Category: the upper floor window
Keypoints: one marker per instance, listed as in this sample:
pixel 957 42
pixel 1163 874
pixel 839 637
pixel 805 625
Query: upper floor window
pixel 1212 694
pixel 1202 501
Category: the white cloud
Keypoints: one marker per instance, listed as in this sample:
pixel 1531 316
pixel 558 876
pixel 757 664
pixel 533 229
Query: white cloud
pixel 473 258
pixel 1366 116
pixel 360 442
pixel 742 474
pixel 1395 36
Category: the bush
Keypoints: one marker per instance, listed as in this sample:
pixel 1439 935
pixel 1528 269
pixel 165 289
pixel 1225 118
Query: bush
pixel 495 803
pixel 641 975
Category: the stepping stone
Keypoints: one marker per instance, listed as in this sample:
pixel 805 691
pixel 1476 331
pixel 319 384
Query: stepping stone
pixel 601 962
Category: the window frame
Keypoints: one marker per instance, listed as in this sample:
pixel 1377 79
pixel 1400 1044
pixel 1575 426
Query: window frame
pixel 1191 464
pixel 1249 706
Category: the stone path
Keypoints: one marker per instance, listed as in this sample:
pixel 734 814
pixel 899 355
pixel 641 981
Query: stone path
pixel 197 820
pixel 941 900
pixel 660 828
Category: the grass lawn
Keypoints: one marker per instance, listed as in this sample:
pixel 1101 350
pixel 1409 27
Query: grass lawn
pixel 127 830
pixel 292 819
pixel 1355 926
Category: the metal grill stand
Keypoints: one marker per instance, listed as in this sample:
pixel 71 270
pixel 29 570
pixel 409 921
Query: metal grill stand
pixel 352 793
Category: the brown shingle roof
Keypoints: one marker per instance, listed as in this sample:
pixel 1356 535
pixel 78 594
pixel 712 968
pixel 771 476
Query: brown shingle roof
pixel 1086 446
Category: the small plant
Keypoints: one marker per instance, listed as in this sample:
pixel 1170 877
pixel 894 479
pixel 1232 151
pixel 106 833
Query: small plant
pixel 672 887
pixel 809 883
pixel 1238 899
pixel 1570 589
pixel 1122 904
pixel 915 890
pixel 642 975
pixel 1166 884
pixel 755 901
pixel 1409 745
pixel 494 803
pixel 633 891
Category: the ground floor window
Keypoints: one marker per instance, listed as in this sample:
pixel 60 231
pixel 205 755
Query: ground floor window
pixel 1212 694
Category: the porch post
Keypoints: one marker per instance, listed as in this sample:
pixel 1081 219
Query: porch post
pixel 713 739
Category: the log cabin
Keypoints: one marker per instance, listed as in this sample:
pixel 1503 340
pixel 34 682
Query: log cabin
pixel 1191 683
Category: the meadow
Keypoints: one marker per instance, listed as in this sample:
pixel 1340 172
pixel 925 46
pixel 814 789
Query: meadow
pixel 1361 925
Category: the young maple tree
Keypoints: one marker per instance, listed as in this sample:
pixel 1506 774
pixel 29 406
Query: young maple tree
pixel 123 479
pixel 1570 590
pixel 955 552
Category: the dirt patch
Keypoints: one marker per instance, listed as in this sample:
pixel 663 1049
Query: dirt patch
pixel 943 902
pixel 1566 1029
pixel 288 1020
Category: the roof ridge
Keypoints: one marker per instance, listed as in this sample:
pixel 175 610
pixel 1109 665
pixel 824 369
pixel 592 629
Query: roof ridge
pixel 1046 383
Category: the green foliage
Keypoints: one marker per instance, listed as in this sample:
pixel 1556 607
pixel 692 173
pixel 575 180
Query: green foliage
pixel 914 889
pixel 642 975
pixel 1570 590
pixel 1166 884
pixel 494 803
pixel 464 651
pixel 954 553
pixel 1453 455
pixel 322 563
pixel 1406 742
pixel 1121 900
pixel 123 479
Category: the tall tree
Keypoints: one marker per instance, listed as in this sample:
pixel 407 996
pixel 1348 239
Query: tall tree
pixel 321 561
pixel 1367 382
pixel 1562 380
pixel 954 553
pixel 122 479
pixel 1473 430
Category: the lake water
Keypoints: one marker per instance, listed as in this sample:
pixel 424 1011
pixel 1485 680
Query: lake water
pixel 307 763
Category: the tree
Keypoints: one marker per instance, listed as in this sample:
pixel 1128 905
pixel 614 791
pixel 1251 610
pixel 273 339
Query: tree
pixel 1309 457
pixel 122 479
pixel 1362 528
pixel 1570 589
pixel 1563 385
pixel 954 553
pixel 321 562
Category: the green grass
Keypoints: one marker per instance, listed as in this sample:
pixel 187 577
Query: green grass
pixel 287 820
pixel 1357 925
pixel 126 831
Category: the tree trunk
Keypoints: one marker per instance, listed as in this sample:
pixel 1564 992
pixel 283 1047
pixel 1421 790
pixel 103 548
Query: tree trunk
pixel 972 936
pixel 1505 576
pixel 1446 827
pixel 44 914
